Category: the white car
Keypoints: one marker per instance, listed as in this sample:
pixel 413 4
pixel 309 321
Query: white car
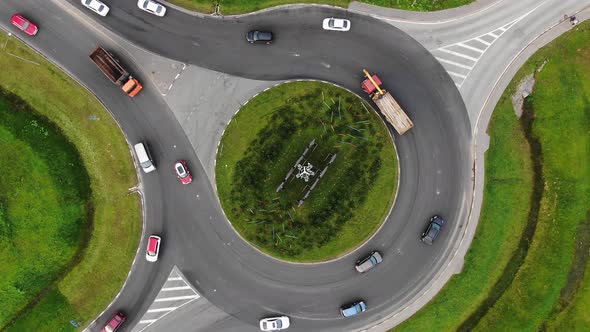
pixel 153 248
pixel 152 7
pixel 96 6
pixel 274 323
pixel 336 24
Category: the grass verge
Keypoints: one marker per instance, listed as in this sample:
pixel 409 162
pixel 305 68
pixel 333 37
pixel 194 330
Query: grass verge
pixel 561 106
pixel 545 286
pixel 230 7
pixel 349 202
pixel 102 268
pixel 45 198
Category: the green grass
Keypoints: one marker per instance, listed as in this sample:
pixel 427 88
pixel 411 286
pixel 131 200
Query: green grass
pixel 322 228
pixel 97 275
pixel 229 7
pixel 561 102
pixel 44 192
pixel 549 288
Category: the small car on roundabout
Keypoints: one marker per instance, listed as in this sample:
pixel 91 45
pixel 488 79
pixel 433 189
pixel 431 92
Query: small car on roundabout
pixel 259 37
pixel 153 248
pixel 182 172
pixel 336 24
pixel 152 7
pixel 353 309
pixel 434 227
pixel 274 323
pixel 24 24
pixel 115 323
pixel 96 6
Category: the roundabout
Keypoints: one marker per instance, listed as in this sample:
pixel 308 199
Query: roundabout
pixel 306 171
pixel 434 161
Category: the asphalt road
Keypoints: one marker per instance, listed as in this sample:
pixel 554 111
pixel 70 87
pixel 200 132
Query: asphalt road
pixel 435 157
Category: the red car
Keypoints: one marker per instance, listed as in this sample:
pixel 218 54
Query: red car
pixel 115 323
pixel 153 248
pixel 25 25
pixel 182 172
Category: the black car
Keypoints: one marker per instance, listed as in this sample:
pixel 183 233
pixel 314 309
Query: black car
pixel 436 223
pixel 256 36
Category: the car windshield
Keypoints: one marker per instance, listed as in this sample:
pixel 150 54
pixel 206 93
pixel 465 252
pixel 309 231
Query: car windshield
pixel 180 170
pixel 146 164
pixel 25 25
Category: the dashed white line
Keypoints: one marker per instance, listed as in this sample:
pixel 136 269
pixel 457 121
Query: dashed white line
pixel 453 63
pixel 147 321
pixel 493 35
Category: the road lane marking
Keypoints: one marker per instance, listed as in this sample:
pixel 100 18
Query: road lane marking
pixel 453 63
pixel 176 298
pixel 162 309
pixel 167 289
pixel 459 54
pixel 469 48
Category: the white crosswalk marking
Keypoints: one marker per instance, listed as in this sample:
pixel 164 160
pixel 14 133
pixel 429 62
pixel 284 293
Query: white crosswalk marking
pixel 162 309
pixel 175 293
pixel 168 289
pixel 176 298
pixel 460 58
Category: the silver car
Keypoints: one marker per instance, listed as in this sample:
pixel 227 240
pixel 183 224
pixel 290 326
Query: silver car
pixel 96 6
pixel 369 262
pixel 152 7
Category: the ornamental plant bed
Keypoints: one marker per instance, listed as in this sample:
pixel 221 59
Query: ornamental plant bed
pixel 307 124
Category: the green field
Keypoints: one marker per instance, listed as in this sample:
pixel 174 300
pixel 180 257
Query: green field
pixel 526 268
pixel 69 226
pixel 263 142
pixel 228 7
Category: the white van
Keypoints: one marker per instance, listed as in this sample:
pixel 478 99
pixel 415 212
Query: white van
pixel 144 158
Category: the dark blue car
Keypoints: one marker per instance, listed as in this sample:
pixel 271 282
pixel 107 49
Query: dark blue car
pixel 433 229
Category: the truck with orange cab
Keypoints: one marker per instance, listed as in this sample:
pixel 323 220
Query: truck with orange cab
pixel 110 67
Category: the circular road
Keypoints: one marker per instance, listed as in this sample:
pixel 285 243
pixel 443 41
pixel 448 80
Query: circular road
pixel 435 163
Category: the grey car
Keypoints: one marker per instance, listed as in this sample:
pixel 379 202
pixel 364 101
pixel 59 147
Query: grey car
pixel 353 309
pixel 431 232
pixel 255 37
pixel 369 262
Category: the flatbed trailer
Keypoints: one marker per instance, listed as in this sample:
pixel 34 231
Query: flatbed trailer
pixel 389 107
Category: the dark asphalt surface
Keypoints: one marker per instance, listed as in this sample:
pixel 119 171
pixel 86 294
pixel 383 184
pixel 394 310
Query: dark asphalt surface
pixel 435 157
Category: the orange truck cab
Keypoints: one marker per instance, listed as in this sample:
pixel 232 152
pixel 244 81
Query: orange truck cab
pixel 132 87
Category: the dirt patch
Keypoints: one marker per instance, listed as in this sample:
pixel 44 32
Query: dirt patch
pixel 524 89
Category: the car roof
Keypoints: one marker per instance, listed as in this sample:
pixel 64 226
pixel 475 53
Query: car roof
pixel 153 243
